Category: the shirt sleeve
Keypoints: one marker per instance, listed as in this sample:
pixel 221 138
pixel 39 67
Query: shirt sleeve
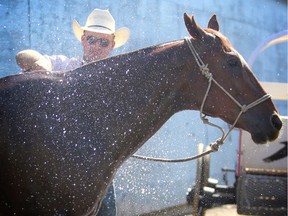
pixel 63 63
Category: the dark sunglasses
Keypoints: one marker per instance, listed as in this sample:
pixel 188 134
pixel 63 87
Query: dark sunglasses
pixel 93 40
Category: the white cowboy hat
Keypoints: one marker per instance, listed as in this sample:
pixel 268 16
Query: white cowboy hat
pixel 102 21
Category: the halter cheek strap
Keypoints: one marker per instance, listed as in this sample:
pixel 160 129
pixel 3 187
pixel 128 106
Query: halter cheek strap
pixel 214 146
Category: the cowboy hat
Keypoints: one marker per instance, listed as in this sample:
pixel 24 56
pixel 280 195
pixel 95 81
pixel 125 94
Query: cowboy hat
pixel 102 21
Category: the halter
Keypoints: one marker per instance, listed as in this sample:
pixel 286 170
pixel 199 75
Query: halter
pixel 214 146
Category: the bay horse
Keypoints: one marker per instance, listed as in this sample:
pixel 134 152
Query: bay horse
pixel 64 134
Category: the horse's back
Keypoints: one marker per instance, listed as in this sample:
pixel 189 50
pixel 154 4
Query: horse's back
pixel 43 154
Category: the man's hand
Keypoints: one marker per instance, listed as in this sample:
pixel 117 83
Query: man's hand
pixel 31 60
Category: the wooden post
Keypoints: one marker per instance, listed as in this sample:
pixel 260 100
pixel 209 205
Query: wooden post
pixel 198 180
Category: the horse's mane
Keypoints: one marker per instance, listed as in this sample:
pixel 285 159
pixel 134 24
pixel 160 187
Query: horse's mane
pixel 141 57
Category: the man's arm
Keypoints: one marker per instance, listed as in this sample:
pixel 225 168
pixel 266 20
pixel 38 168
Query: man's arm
pixel 31 60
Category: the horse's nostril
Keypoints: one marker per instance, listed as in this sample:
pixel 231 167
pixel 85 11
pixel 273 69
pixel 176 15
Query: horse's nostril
pixel 277 123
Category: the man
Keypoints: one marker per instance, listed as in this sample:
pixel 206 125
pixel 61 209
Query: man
pixel 98 38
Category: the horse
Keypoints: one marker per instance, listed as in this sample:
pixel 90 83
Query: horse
pixel 64 134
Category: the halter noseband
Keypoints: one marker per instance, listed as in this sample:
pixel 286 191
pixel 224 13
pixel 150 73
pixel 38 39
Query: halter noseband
pixel 214 147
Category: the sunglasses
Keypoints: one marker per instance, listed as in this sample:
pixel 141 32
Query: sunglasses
pixel 93 40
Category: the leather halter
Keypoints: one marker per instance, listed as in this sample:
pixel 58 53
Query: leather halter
pixel 214 146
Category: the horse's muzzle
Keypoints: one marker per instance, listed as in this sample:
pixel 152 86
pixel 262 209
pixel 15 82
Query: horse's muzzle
pixel 268 134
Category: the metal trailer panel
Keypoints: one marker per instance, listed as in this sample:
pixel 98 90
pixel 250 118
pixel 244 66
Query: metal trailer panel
pixel 262 183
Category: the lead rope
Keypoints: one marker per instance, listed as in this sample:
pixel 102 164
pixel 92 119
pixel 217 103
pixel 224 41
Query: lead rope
pixel 215 146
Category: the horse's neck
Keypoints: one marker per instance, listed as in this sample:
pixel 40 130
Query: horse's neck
pixel 155 75
pixel 136 93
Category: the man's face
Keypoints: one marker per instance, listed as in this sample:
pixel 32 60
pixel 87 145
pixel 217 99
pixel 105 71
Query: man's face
pixel 96 45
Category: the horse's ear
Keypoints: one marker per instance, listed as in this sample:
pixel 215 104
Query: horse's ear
pixel 194 30
pixel 213 23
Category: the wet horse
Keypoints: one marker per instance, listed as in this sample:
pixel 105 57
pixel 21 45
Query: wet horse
pixel 64 134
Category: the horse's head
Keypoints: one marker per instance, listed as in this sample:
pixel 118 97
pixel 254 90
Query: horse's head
pixel 240 87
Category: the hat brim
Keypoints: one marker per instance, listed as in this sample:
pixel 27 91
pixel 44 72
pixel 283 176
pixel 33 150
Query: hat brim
pixel 121 35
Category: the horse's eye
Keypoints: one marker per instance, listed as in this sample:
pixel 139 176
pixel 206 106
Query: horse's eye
pixel 233 62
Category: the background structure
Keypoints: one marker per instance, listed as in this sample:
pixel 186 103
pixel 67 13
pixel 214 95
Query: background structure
pixel 146 186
